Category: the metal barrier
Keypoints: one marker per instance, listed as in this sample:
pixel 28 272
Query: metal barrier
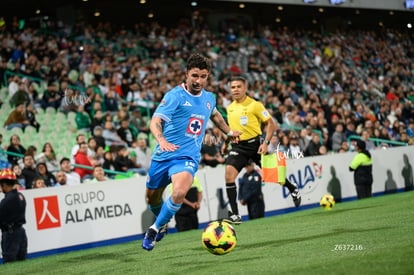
pixel 378 141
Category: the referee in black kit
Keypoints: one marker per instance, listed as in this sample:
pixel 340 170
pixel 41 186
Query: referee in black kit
pixel 12 217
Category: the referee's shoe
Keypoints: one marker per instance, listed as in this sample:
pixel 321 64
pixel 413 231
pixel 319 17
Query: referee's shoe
pixel 233 218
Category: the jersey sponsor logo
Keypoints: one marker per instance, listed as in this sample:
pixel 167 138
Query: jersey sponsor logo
pixel 187 103
pixel 208 105
pixel 195 126
pixel 47 212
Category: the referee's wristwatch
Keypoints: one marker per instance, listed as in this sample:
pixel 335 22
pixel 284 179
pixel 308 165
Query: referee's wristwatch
pixel 267 141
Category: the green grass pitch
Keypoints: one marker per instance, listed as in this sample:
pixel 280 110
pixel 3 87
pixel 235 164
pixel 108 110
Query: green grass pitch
pixel 371 236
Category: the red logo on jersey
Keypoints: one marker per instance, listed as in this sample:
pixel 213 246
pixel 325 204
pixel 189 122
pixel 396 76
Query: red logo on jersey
pixel 195 126
pixel 47 212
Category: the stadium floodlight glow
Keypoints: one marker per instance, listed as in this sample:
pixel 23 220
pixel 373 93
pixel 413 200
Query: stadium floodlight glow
pixel 242 6
pixel 309 1
pixel 321 10
pixel 194 4
pixel 142 1
pixel 409 25
pixel 37 11
pixel 280 8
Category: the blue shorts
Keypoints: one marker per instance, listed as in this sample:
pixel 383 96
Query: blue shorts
pixel 160 172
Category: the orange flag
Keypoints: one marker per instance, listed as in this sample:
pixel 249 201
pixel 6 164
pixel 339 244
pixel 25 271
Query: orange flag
pixel 274 168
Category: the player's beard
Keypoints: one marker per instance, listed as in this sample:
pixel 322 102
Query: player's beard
pixel 194 89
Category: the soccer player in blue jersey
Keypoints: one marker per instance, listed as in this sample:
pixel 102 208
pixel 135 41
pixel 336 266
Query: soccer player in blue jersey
pixel 178 125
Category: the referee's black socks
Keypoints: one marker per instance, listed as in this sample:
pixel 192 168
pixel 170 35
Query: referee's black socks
pixel 290 186
pixel 231 190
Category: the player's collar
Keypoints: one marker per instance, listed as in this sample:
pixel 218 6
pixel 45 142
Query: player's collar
pixel 182 85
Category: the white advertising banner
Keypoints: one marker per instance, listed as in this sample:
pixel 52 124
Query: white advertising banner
pixel 93 214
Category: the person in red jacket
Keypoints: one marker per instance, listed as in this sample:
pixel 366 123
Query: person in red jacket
pixel 81 158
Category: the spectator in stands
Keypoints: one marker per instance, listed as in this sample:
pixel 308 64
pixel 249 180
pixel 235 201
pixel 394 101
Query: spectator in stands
pixel 20 97
pixel 80 138
pixel 31 117
pixel 81 158
pixel 61 179
pixel 19 177
pixel 98 174
pixel 97 134
pixel 314 145
pixel 134 97
pixel 72 178
pixel 83 121
pixel 16 149
pixel 143 154
pixel 39 183
pixel 43 172
pixel 99 156
pixel 210 153
pixel 126 133
pixel 17 118
pixel 294 148
pixel 51 97
pixel 29 172
pixel 369 145
pixel 111 100
pixel 124 164
pixel 338 137
pixel 13 87
pixel 109 163
pixel 4 162
pixel 97 119
pixel 110 135
pixel 92 147
pixel 138 122
pixel 410 128
pixel 48 156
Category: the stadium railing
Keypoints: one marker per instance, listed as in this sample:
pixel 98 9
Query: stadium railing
pixel 378 141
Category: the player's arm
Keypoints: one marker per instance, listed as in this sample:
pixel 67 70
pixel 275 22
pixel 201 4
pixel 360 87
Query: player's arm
pixel 156 127
pixel 219 121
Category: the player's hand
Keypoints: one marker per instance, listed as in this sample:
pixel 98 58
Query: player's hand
pixel 166 146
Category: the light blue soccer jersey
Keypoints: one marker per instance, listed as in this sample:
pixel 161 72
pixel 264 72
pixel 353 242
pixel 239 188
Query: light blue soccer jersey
pixel 185 119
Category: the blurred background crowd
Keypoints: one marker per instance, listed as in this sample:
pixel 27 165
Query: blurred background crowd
pixel 83 93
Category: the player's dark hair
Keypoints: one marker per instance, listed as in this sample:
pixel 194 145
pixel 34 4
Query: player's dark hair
pixel 238 78
pixel 199 61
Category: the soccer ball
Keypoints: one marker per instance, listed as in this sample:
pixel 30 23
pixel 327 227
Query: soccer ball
pixel 219 238
pixel 327 202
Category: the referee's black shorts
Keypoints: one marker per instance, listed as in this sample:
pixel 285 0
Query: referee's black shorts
pixel 241 152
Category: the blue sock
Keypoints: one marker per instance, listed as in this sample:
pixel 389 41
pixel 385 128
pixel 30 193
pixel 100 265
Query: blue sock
pixel 156 208
pixel 168 210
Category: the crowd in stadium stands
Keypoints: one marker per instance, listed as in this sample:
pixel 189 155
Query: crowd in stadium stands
pixel 321 88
